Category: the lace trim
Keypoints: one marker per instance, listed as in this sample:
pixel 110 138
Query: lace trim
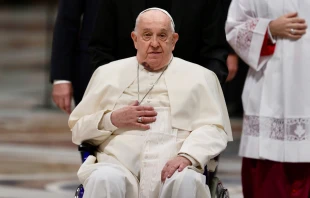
pixel 289 129
pixel 244 36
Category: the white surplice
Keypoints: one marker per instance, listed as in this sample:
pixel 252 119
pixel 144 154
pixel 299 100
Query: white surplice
pixel 276 95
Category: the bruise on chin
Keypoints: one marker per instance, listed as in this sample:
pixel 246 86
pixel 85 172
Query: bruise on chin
pixel 147 66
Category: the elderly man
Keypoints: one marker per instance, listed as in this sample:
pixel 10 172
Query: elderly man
pixel 157 120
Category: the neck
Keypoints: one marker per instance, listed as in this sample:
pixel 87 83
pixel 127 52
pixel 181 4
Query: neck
pixel 148 68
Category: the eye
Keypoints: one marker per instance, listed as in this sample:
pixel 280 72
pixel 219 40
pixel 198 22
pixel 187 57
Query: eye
pixel 147 36
pixel 163 36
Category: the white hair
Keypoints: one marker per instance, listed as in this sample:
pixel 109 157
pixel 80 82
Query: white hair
pixel 154 8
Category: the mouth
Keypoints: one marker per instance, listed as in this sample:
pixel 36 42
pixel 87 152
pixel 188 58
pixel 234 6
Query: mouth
pixel 155 52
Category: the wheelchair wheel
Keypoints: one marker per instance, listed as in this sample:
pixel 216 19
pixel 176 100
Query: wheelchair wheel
pixel 79 192
pixel 217 189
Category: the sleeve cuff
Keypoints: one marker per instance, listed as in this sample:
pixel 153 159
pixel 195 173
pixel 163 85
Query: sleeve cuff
pixel 273 40
pixel 106 123
pixel 193 161
pixel 60 82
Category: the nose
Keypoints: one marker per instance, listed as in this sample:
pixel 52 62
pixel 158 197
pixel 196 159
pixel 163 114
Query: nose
pixel 154 42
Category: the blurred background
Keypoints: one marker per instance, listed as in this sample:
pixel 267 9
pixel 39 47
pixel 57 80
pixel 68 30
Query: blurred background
pixel 37 156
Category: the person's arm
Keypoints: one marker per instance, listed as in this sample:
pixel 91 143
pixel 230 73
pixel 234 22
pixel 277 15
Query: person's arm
pixel 251 36
pixel 232 61
pixel 102 46
pixel 214 51
pixel 210 134
pixel 65 39
pixel 210 137
pixel 205 143
pixel 245 32
pixel 94 119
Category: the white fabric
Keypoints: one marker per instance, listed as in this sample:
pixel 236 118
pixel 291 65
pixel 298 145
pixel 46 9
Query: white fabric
pixel 185 184
pixel 106 123
pixel 193 161
pixel 158 97
pixel 191 119
pixel 200 89
pixel 271 38
pixel 196 104
pixel 156 146
pixel 61 82
pixel 113 181
pixel 276 97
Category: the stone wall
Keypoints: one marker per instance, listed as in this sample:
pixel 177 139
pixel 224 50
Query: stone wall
pixel 25 36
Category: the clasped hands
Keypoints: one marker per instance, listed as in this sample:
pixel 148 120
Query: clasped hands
pixel 127 117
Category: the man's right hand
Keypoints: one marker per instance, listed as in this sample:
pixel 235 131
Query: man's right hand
pixel 62 95
pixel 127 117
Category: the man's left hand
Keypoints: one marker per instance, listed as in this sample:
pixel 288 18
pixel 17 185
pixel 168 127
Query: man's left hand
pixel 178 163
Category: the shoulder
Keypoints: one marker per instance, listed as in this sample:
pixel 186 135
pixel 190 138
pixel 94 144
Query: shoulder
pixel 192 70
pixel 115 66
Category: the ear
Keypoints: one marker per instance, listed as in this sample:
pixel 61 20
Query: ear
pixel 134 38
pixel 175 38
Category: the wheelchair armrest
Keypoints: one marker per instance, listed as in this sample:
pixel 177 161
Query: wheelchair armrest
pixel 210 174
pixel 86 149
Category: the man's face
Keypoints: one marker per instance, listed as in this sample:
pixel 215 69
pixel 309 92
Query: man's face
pixel 154 39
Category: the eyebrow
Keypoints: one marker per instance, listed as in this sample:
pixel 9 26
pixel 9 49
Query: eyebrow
pixel 148 29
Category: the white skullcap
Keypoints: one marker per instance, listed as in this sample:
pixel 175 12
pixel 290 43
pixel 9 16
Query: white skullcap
pixel 162 10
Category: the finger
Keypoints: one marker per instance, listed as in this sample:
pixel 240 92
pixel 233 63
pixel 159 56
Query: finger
pixel 298 32
pixel 147 120
pixel 141 126
pixel 67 103
pixel 163 173
pixel 166 174
pixel 62 104
pixel 146 113
pixel 298 26
pixel 145 108
pixel 229 77
pixel 134 103
pixel 233 74
pixel 57 101
pixel 297 20
pixel 181 167
pixel 171 170
pixel 291 15
pixel 294 37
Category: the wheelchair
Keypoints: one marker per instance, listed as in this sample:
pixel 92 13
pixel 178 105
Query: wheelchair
pixel 217 190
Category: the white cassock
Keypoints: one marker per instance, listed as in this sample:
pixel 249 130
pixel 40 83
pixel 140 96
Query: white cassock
pixel 192 121
pixel 276 96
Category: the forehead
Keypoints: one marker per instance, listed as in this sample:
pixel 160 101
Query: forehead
pixel 154 19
